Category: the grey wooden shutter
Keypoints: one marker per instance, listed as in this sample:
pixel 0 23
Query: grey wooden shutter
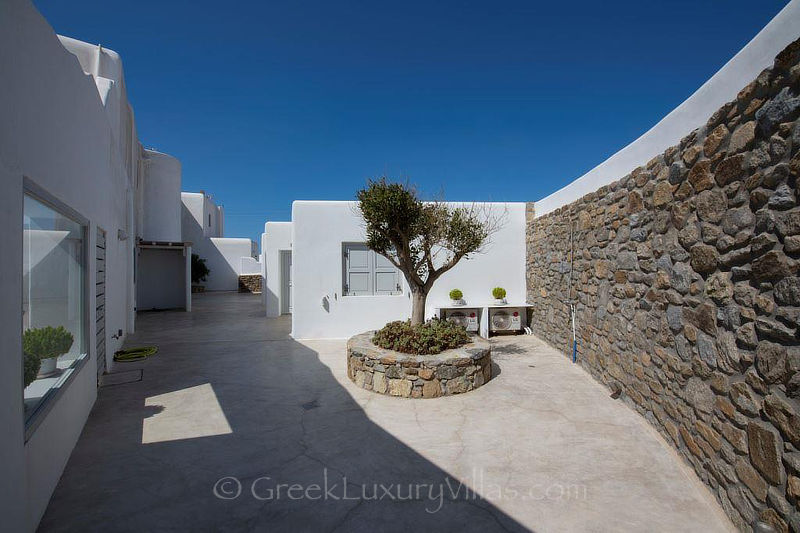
pixel 100 301
pixel 387 280
pixel 357 270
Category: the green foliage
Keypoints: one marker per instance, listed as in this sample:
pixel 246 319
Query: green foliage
pixel 499 293
pixel 47 342
pixel 199 269
pixel 456 294
pixel 428 338
pixel 422 239
pixel 403 228
pixel 31 364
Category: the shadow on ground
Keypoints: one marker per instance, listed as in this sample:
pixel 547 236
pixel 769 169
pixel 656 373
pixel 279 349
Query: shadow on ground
pixel 245 429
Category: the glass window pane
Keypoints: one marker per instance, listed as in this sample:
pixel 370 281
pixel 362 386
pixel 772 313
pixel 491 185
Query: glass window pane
pixel 53 297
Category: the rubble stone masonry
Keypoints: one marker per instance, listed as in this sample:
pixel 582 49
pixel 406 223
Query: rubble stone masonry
pixel 684 276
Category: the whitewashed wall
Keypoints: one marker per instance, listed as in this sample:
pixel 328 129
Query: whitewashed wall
pixel 249 266
pixel 223 255
pixel 72 135
pixel 320 228
pixel 162 279
pixel 277 237
pixel 161 199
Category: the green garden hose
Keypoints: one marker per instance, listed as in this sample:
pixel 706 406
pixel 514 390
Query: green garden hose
pixel 135 354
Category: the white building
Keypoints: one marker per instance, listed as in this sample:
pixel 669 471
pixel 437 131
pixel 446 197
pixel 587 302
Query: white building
pixel 227 258
pixel 90 218
pixel 276 261
pixel 92 230
pixel 308 271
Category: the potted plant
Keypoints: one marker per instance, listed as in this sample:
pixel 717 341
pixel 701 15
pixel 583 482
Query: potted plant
pixel 199 273
pixel 32 364
pixel 499 294
pixel 48 344
pixel 457 297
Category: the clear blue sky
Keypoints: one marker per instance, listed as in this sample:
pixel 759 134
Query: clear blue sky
pixel 267 102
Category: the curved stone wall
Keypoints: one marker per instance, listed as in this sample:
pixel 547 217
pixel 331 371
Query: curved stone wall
pixel 418 376
pixel 686 280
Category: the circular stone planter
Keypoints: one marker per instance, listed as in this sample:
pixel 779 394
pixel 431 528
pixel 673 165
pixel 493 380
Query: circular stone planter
pixel 418 376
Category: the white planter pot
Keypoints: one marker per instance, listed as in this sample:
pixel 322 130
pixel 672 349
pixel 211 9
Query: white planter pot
pixel 500 301
pixel 456 303
pixel 48 367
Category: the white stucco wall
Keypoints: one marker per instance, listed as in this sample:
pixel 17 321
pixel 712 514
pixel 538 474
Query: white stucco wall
pixel 223 255
pixel 162 279
pixel 249 265
pixel 72 136
pixel 721 88
pixel 277 237
pixel 161 200
pixel 320 228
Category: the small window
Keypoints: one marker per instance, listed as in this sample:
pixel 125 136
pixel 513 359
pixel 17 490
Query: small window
pixel 367 273
pixel 54 319
pixel 209 220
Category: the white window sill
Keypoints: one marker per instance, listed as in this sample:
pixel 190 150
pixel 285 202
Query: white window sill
pixel 51 389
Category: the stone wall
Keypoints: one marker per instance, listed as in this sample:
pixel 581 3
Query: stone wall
pixel 250 283
pixel 685 281
pixel 384 371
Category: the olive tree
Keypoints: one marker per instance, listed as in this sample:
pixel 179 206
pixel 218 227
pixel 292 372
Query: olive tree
pixel 422 239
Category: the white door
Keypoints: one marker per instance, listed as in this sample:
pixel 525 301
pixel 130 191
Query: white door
pixel 286 282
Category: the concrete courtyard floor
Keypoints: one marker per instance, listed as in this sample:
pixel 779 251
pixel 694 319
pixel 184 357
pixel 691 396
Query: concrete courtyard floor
pixel 235 426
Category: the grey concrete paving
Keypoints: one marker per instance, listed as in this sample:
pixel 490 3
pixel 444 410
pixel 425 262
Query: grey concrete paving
pixel 232 397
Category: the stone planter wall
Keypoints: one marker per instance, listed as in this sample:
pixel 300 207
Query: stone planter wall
pixel 250 283
pixel 685 276
pixel 418 376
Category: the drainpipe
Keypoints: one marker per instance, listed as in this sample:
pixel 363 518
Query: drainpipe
pixel 569 289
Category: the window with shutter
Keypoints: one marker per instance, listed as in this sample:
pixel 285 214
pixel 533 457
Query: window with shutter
pixel 366 273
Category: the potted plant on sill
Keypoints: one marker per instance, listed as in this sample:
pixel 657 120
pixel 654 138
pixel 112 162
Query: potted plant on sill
pixel 31 364
pixel 499 294
pixel 199 273
pixel 48 344
pixel 457 297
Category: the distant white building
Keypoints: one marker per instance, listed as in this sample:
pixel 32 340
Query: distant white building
pixel 203 224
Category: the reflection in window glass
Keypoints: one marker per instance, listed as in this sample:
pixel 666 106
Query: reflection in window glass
pixel 53 297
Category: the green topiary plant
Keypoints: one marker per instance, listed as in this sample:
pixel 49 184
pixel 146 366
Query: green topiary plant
pixel 47 342
pixel 32 364
pixel 499 293
pixel 428 338
pixel 456 294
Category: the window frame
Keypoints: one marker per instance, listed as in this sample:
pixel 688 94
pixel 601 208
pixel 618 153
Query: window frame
pixel 51 397
pixel 372 271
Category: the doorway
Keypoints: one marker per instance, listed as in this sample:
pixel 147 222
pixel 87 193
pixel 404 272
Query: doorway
pixel 286 282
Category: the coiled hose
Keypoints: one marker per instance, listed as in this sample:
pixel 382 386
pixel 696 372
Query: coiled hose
pixel 135 354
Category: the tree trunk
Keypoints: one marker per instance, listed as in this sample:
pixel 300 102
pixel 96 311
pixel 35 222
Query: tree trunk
pixel 418 298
